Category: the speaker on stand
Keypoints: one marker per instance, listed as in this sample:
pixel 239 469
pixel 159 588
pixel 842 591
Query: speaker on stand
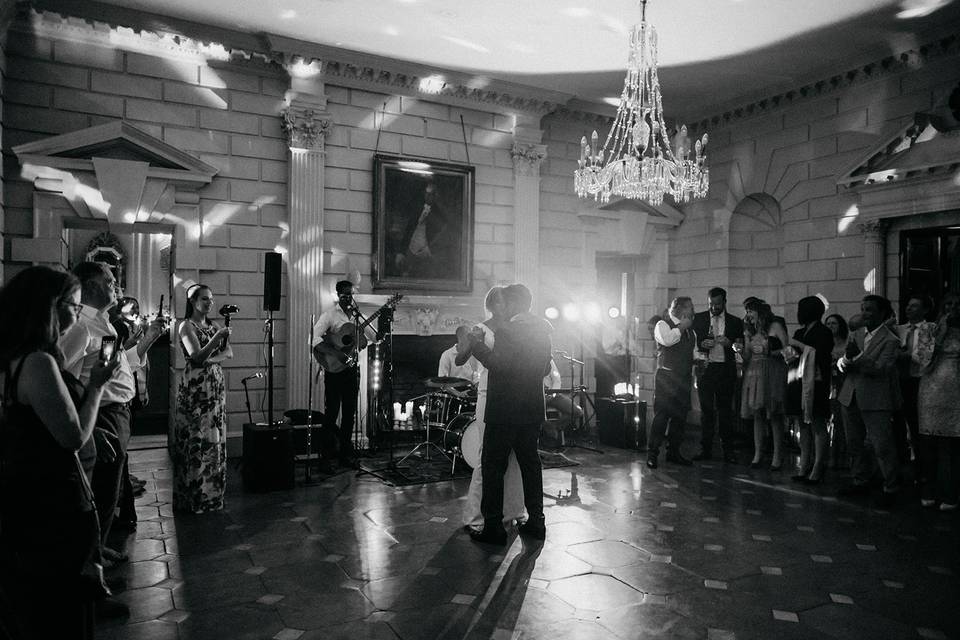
pixel 271 303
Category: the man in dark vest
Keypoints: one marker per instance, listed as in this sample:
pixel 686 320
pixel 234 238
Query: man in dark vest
pixel 517 364
pixel 717 331
pixel 676 346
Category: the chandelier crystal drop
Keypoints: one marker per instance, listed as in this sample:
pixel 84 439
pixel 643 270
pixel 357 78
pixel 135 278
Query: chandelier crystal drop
pixel 637 160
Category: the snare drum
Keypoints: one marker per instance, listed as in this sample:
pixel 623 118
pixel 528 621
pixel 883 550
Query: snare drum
pixel 462 436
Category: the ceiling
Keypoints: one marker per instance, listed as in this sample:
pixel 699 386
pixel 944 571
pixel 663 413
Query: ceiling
pixel 713 53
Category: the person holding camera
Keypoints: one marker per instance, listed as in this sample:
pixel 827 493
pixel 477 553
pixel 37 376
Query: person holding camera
pixel 90 341
pixel 200 426
pixel 49 533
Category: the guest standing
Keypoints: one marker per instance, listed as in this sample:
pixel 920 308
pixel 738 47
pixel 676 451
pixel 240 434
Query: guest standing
pixel 808 390
pixel 939 410
pixel 869 396
pixel 717 332
pixel 673 382
pixel 906 420
pixel 200 427
pixel 764 379
pixel 838 442
pixel 48 524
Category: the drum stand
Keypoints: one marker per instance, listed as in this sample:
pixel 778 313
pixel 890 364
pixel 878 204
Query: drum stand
pixel 427 443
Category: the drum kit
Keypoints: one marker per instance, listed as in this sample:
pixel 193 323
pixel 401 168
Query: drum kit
pixel 449 411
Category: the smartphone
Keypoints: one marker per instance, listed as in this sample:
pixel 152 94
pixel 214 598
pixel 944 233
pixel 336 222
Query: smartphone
pixel 107 347
pixel 160 309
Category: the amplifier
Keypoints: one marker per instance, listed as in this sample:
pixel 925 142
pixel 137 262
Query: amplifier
pixel 622 423
pixel 267 457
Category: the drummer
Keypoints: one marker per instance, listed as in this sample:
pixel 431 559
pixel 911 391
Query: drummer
pixel 468 371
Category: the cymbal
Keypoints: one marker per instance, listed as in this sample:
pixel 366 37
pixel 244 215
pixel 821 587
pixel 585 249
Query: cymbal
pixel 440 382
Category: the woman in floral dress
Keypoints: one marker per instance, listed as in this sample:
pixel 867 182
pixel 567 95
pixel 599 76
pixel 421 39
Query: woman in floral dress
pixel 200 428
pixel 939 411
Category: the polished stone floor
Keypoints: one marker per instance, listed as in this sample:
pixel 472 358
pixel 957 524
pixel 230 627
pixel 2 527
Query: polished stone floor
pixel 710 551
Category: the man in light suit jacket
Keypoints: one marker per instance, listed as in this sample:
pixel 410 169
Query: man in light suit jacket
pixel 869 396
pixel 717 331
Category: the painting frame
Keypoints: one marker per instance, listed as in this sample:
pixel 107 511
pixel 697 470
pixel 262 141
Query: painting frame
pixel 423 225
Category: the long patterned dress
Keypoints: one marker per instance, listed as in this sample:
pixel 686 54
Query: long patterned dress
pixel 939 409
pixel 200 434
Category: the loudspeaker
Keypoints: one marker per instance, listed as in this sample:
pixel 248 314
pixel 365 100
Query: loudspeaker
pixel 267 457
pixel 622 423
pixel 271 281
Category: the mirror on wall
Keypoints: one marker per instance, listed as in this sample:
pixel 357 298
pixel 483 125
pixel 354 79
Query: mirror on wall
pixel 140 256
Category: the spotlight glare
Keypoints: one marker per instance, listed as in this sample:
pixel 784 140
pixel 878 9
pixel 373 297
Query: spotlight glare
pixel 571 312
pixel 614 312
pixel 551 313
pixel 592 312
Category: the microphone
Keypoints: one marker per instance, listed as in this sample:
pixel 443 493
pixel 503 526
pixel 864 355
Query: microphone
pixel 258 374
pixel 227 310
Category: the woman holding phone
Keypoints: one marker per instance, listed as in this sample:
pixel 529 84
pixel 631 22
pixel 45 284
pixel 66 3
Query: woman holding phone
pixel 200 426
pixel 49 531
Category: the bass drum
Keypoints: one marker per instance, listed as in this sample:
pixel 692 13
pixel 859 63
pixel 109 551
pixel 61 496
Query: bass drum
pixel 462 436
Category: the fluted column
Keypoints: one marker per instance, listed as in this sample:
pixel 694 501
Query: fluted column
pixel 527 157
pixel 874 256
pixel 306 124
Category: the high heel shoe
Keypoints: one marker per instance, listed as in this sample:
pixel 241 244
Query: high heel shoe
pixel 756 464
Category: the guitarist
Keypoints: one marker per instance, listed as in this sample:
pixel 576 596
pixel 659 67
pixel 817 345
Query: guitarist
pixel 341 380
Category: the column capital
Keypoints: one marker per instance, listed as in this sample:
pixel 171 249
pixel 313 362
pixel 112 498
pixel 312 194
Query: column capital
pixel 527 158
pixel 306 128
pixel 873 230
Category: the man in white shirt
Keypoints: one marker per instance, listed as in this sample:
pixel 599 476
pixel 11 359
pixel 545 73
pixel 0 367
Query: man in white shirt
pixel 341 378
pixel 104 454
pixel 909 366
pixel 673 382
pixel 469 370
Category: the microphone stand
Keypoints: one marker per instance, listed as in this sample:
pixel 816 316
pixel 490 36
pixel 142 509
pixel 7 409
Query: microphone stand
pixel 246 393
pixel 574 390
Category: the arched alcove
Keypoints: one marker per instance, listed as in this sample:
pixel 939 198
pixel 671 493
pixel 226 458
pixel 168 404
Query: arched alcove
pixel 756 250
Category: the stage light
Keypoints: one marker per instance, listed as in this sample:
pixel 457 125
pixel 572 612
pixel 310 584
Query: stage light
pixel 551 313
pixel 614 312
pixel 591 312
pixel 571 312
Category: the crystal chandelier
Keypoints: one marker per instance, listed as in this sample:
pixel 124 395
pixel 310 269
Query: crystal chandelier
pixel 637 160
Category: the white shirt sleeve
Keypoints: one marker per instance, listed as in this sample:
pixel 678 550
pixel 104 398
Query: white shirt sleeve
pixel 446 363
pixel 73 344
pixel 665 335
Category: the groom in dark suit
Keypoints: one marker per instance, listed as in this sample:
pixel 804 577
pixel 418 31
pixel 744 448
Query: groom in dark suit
pixel 717 331
pixel 519 360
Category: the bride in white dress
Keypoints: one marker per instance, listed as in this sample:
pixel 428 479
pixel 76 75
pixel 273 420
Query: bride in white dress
pixel 513 506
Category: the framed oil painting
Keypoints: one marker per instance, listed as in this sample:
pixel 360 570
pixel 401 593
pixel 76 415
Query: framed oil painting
pixel 422 225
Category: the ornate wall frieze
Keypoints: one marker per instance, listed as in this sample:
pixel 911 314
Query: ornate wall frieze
pixel 527 158
pixel 305 128
pixel 905 61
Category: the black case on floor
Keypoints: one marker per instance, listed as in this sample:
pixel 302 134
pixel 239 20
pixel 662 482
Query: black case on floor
pixel 267 457
pixel 619 425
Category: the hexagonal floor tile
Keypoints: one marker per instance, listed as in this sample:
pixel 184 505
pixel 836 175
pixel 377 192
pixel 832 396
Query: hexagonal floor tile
pixel 595 592
pixel 607 553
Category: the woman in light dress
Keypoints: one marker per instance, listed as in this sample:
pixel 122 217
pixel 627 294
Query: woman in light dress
pixel 513 506
pixel 764 380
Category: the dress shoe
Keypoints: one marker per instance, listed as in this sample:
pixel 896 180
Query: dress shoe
pixel 703 456
pixel 756 464
pixel 948 506
pixel 730 457
pixel 854 490
pixel 676 458
pixel 652 462
pixel 534 530
pixel 489 536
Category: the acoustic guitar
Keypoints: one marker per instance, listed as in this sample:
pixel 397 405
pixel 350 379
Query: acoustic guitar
pixel 343 340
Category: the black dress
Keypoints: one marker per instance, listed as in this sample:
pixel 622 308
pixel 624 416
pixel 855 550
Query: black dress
pixel 820 338
pixel 48 525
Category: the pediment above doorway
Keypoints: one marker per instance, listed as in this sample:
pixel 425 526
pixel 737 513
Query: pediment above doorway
pixel 113 171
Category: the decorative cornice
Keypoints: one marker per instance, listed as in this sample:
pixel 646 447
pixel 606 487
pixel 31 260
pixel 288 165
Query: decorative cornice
pixel 590 118
pixel 905 61
pixel 873 229
pixel 305 128
pixel 527 158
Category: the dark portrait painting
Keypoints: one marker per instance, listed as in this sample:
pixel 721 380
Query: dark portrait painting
pixel 423 225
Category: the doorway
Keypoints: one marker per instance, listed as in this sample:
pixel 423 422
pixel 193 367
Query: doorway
pixel 141 257
pixel 929 264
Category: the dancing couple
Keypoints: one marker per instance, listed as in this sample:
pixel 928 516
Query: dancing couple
pixel 513 347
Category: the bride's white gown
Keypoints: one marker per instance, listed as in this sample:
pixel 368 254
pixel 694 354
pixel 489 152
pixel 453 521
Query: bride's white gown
pixel 513 507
